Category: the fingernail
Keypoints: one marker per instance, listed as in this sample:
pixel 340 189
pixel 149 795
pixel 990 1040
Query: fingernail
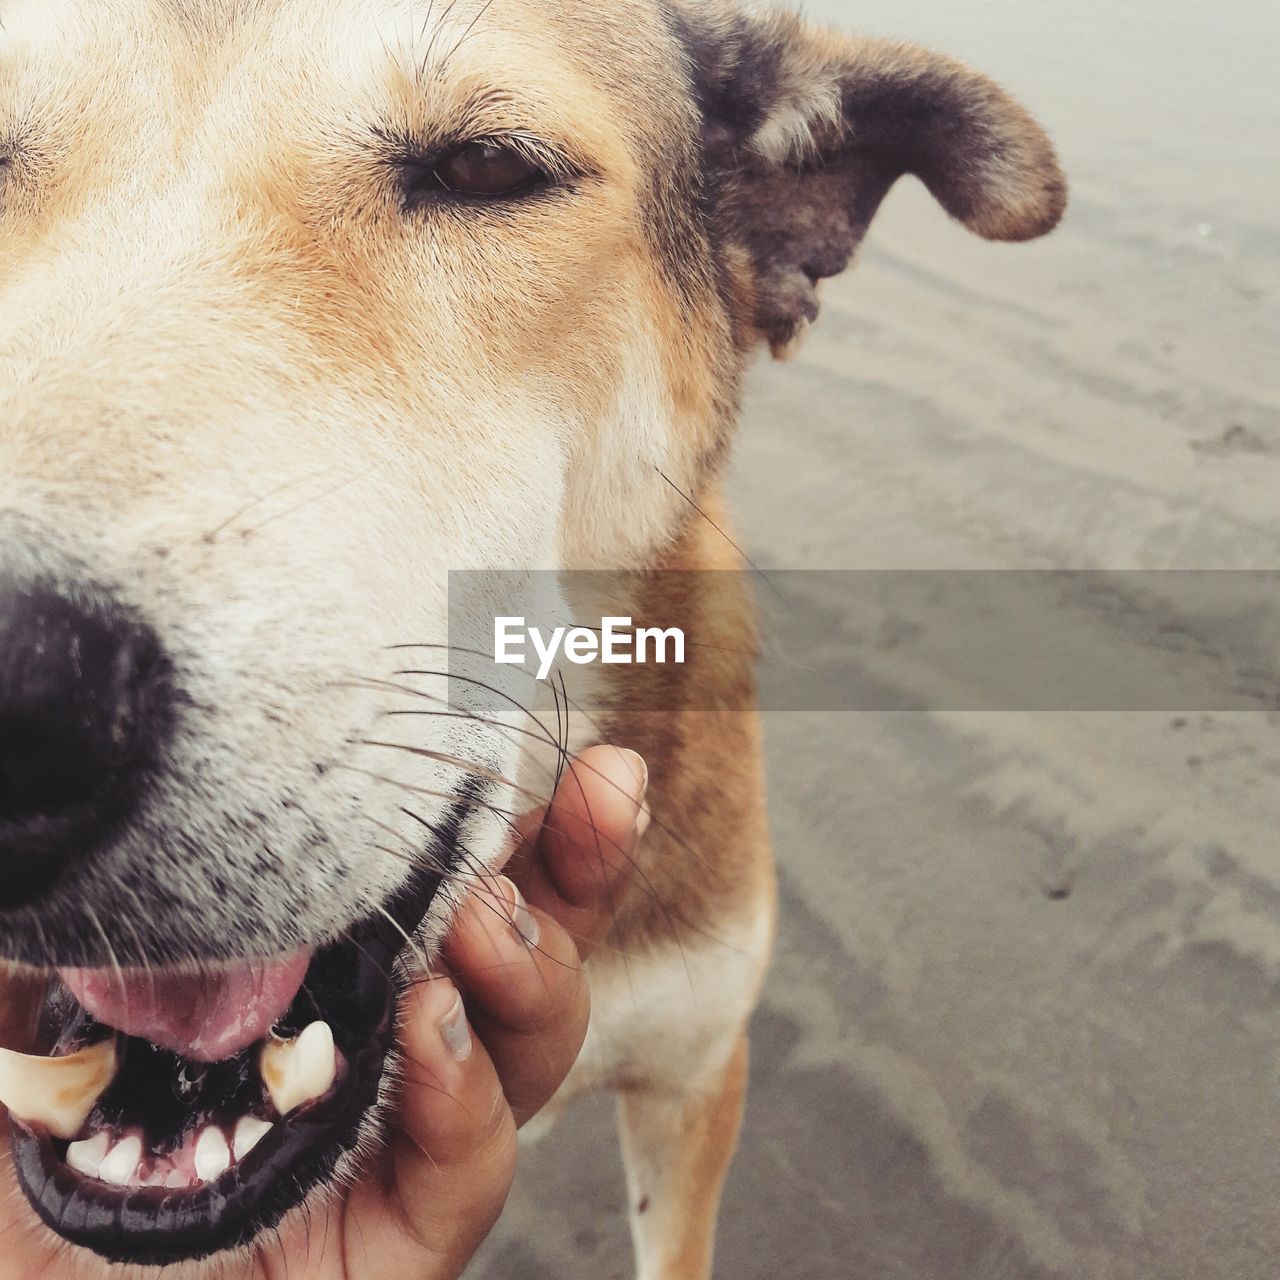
pixel 522 919
pixel 455 1032
pixel 640 767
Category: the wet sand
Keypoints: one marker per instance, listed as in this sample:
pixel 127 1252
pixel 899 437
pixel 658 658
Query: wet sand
pixel 1025 1016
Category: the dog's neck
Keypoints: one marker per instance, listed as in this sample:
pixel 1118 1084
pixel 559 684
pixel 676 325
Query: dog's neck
pixel 697 725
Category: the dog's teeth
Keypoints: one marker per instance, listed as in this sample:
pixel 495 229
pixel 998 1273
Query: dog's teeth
pixel 86 1157
pixel 120 1168
pixel 249 1132
pixel 213 1156
pixel 57 1093
pixel 295 1071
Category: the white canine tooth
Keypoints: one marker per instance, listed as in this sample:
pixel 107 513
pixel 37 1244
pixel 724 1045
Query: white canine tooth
pixel 57 1093
pixel 295 1071
pixel 120 1168
pixel 86 1157
pixel 249 1132
pixel 213 1156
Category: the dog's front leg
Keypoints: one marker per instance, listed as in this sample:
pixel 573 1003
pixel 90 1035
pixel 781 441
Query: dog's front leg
pixel 677 1148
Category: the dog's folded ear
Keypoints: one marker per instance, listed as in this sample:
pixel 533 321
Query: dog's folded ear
pixel 805 130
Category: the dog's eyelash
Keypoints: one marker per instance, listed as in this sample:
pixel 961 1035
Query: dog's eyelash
pixel 403 147
pixel 552 161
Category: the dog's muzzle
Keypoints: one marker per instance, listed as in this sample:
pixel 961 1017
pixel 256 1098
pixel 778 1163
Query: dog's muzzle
pixel 158 1114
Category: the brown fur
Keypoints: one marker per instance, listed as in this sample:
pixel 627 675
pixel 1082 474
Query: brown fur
pixel 705 862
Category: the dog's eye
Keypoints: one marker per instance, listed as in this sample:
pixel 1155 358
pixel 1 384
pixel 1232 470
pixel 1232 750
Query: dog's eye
pixel 488 170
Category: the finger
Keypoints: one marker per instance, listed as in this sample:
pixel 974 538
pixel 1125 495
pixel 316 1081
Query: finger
pixel 586 845
pixel 525 991
pixel 451 1157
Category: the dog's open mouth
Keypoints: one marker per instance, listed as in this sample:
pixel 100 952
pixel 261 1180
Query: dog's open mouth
pixel 179 1116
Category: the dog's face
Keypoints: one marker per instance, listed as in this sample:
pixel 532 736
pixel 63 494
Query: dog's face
pixel 304 303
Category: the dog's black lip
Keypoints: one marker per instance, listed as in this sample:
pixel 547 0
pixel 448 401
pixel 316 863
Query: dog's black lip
pixel 158 1226
pixel 154 1225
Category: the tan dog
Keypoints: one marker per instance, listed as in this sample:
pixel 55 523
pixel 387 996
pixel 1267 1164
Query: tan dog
pixel 302 304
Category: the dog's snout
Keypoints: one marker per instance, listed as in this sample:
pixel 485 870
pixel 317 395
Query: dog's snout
pixel 83 694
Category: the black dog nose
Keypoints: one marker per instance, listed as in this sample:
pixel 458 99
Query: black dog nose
pixel 82 698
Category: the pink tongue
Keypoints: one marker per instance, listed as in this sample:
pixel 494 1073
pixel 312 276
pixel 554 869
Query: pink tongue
pixel 205 1017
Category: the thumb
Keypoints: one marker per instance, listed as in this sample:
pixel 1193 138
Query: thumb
pixel 452 1153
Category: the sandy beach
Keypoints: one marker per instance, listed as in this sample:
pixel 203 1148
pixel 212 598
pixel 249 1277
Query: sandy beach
pixel 1024 1020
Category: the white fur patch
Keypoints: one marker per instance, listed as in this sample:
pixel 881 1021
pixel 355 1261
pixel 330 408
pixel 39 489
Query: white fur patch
pixel 789 132
pixel 671 1018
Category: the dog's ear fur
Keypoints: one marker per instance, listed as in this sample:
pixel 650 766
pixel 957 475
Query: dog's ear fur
pixel 805 130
